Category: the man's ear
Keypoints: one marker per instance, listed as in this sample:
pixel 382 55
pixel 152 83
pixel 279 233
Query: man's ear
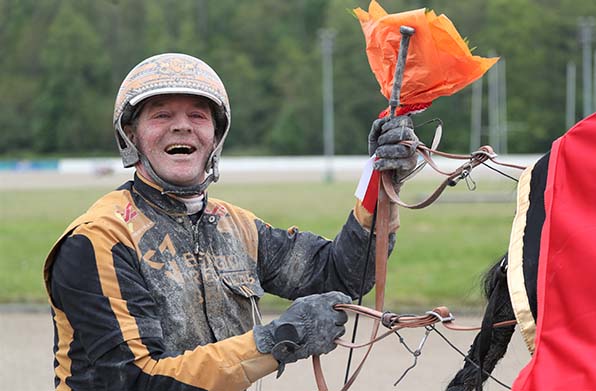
pixel 130 133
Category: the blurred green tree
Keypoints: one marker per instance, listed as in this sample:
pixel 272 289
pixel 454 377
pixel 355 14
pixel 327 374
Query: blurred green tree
pixel 72 109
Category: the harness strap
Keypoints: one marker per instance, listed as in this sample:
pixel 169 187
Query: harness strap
pixel 381 257
pixel 474 159
pixel 393 322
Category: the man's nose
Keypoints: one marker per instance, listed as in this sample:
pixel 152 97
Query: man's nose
pixel 181 123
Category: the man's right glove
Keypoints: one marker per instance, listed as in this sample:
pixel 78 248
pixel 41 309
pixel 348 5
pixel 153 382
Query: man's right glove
pixel 309 327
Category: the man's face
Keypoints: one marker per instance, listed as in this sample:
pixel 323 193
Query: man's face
pixel 177 134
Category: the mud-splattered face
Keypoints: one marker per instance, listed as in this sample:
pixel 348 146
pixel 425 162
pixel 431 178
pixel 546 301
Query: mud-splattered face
pixel 176 134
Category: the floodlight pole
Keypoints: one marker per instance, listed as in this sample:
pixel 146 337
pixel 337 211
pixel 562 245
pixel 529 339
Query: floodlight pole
pixel 327 37
pixel 476 116
pixel 586 26
pixel 502 88
pixel 494 107
pixel 570 104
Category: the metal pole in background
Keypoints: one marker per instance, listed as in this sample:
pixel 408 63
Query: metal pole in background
pixel 494 106
pixel 327 37
pixel 570 101
pixel 594 83
pixel 476 116
pixel 503 128
pixel 585 25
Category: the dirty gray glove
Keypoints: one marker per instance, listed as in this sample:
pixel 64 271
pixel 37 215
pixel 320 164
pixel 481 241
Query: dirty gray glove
pixel 309 327
pixel 383 140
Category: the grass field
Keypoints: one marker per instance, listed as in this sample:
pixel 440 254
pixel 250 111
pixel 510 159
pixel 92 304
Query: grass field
pixel 440 255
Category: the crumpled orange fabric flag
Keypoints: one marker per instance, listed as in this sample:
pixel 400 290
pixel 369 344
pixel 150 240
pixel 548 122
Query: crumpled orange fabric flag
pixel 439 62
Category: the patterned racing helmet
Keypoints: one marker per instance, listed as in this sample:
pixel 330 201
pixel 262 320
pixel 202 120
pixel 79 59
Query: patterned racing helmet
pixel 171 73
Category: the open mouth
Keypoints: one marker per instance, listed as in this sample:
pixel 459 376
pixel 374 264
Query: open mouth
pixel 180 149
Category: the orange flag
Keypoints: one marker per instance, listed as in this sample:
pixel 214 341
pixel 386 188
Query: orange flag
pixel 439 62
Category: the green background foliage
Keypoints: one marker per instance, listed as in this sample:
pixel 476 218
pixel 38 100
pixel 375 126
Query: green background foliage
pixel 62 62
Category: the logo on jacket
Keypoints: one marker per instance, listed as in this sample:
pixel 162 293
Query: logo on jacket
pixel 127 215
pixel 218 210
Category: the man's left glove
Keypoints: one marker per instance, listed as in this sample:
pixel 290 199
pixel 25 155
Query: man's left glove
pixel 309 327
pixel 383 140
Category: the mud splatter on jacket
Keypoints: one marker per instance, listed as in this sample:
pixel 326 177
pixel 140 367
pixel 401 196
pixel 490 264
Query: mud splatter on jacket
pixel 140 293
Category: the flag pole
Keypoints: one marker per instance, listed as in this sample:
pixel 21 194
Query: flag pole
pixel 383 207
pixel 381 215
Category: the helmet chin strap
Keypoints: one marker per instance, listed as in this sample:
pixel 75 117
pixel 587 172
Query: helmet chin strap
pixel 168 188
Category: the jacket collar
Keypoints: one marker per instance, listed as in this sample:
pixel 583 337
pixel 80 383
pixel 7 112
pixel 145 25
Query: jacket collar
pixel 154 196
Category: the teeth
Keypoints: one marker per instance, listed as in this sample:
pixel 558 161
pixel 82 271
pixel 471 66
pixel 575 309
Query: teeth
pixel 180 149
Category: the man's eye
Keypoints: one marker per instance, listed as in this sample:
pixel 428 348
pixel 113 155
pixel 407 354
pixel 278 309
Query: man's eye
pixel 161 115
pixel 198 115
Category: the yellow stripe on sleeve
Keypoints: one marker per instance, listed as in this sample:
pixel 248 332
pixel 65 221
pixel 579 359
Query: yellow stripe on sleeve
pixel 65 338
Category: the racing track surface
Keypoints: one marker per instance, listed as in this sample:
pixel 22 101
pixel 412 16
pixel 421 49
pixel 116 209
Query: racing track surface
pixel 26 359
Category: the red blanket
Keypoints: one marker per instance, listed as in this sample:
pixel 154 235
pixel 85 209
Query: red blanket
pixel 565 353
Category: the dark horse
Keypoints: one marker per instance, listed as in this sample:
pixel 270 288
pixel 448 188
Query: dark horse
pixel 490 345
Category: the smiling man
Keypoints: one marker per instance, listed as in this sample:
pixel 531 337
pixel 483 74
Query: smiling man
pixel 177 134
pixel 156 286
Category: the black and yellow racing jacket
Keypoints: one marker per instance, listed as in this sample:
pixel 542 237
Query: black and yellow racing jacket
pixel 145 297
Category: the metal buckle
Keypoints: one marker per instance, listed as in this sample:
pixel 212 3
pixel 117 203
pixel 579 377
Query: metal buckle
pixel 442 319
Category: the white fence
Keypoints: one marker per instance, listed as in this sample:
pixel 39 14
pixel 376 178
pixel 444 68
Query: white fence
pixel 109 171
